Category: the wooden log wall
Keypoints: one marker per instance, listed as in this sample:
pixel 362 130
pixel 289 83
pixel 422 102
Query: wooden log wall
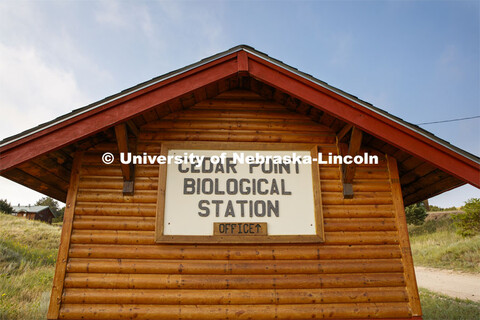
pixel 115 270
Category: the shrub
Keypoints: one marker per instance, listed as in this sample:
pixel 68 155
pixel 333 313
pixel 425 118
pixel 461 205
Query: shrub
pixel 5 206
pixel 416 213
pixel 435 208
pixel 468 222
pixel 59 217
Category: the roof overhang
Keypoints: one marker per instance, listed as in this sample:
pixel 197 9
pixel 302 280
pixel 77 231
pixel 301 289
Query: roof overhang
pixel 240 60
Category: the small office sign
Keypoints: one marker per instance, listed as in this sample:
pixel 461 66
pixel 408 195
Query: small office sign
pixel 211 193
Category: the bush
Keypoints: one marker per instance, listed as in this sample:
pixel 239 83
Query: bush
pixel 5 206
pixel 435 208
pixel 59 217
pixel 431 226
pixel 468 222
pixel 437 244
pixel 416 213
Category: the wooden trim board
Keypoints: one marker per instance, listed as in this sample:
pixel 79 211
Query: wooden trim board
pixel 61 265
pixel 407 260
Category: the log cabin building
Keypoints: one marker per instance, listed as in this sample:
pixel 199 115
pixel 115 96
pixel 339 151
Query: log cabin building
pixel 40 213
pixel 332 243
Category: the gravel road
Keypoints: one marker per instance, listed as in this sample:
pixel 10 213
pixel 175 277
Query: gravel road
pixel 451 283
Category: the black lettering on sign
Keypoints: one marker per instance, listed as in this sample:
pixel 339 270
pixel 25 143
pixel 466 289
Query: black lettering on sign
pixel 188 186
pixel 231 166
pixel 203 205
pixel 239 208
pixel 240 229
pixel 217 207
pixel 181 169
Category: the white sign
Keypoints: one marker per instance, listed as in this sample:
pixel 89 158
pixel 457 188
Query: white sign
pixel 221 189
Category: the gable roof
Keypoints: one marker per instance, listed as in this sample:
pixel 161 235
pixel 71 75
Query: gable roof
pixel 249 50
pixel 34 209
pixel 246 61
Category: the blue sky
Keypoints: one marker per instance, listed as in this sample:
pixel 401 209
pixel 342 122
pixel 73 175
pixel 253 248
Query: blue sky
pixel 419 60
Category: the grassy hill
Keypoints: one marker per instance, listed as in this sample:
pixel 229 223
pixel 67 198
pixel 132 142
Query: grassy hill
pixel 436 244
pixel 28 250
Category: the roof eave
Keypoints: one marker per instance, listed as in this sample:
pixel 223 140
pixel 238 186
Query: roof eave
pixel 261 55
pixel 288 71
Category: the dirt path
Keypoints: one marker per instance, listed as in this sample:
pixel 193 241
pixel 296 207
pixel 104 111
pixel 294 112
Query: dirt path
pixel 451 283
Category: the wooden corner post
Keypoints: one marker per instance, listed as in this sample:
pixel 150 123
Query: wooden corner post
pixel 400 218
pixel 61 265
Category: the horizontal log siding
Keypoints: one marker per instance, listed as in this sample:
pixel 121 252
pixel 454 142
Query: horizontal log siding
pixel 116 270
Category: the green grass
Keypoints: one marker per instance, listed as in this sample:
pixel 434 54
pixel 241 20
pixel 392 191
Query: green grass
pixel 28 250
pixel 436 244
pixel 436 307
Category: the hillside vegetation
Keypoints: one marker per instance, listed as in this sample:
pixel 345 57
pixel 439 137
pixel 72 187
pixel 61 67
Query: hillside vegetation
pixel 436 244
pixel 28 250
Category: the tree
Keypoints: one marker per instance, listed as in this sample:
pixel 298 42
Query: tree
pixel 53 204
pixel 5 206
pixel 468 222
pixel 416 213
pixel 435 208
pixel 59 217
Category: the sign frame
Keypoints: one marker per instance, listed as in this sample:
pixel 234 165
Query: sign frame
pixel 218 239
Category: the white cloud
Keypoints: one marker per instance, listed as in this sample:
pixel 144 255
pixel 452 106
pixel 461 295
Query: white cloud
pixel 37 77
pixel 123 15
pixel 17 194
pixel 129 18
pixel 110 13
pixel 31 91
pixel 165 26
pixel 55 36
pixel 19 21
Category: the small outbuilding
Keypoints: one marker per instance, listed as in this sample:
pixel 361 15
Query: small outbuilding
pixel 237 187
pixel 41 213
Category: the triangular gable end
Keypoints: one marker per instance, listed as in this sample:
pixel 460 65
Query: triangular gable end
pixel 423 158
